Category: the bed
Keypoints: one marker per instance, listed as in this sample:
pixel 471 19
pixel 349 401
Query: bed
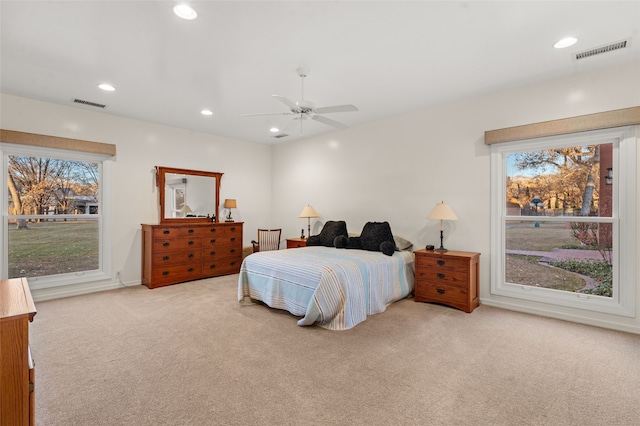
pixel 333 288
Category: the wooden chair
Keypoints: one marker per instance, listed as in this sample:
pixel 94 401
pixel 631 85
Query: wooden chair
pixel 268 239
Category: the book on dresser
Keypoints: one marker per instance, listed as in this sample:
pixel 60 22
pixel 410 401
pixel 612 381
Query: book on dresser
pixel 175 253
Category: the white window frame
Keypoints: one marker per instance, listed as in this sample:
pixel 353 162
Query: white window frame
pixel 624 218
pixel 103 217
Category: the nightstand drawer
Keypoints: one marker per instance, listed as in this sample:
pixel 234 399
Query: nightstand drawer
pixel 448 277
pixel 450 295
pixel 296 242
pixel 442 263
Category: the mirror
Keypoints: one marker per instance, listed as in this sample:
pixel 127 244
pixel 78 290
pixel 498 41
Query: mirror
pixel 188 195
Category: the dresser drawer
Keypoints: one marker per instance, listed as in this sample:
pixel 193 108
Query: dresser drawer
pixel 441 293
pixel 442 276
pixel 164 245
pixel 435 263
pixel 221 252
pixel 165 232
pixel 171 274
pixel 167 258
pixel 222 239
pixel 222 230
pixel 222 266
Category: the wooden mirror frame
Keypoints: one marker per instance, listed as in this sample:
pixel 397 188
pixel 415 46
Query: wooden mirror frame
pixel 161 173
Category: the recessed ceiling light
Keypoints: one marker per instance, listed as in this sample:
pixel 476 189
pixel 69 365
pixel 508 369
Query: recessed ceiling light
pixel 206 112
pixel 185 12
pixel 274 130
pixel 565 42
pixel 106 87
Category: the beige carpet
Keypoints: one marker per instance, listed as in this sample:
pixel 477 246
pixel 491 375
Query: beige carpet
pixel 189 354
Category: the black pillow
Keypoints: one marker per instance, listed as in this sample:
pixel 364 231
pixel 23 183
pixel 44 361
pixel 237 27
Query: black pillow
pixel 354 243
pixel 340 241
pixel 388 248
pixel 330 231
pixel 313 241
pixel 375 233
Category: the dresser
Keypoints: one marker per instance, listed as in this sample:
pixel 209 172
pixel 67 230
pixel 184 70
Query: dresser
pixel 177 252
pixel 17 398
pixel 450 278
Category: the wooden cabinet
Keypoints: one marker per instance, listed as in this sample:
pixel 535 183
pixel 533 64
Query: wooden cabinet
pixel 450 278
pixel 177 253
pixel 296 242
pixel 17 400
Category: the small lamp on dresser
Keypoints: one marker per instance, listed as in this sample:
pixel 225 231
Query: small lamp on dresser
pixel 185 210
pixel 442 212
pixel 230 203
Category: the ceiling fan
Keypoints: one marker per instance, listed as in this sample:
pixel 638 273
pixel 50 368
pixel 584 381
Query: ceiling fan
pixel 304 109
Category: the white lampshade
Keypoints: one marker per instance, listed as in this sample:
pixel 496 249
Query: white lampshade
pixel 308 211
pixel 186 209
pixel 442 211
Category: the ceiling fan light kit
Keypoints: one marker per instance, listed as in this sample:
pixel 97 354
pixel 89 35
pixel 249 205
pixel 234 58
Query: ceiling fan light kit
pixel 303 109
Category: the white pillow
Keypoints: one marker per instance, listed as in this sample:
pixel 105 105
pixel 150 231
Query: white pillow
pixel 402 244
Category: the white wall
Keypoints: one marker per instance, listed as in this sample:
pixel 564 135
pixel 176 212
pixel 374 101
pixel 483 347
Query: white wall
pixel 398 169
pixel 394 170
pixel 140 147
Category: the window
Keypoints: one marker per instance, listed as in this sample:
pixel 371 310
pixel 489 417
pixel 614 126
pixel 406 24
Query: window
pixel 55 217
pixel 563 220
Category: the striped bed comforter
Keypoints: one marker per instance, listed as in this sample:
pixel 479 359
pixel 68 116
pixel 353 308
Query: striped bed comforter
pixel 334 288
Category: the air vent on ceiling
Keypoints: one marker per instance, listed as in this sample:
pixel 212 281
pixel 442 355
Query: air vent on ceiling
pixel 93 104
pixel 280 135
pixel 602 49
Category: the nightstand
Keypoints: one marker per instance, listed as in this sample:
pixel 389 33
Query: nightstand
pixel 450 278
pixel 296 242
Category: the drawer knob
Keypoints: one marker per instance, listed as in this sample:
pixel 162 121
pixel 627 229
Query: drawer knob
pixel 213 240
pixel 190 269
pixel 440 290
pixel 233 228
pixel 233 263
pixel 166 257
pixel 212 266
pixel 191 231
pixel 165 272
pixel 166 231
pixel 233 238
pixel 441 276
pixel 191 254
pixel 212 229
pixel 190 242
pixel 212 252
pixel 441 262
pixel 232 251
pixel 165 244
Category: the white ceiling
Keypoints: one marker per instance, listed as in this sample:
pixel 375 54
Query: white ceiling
pixel 388 58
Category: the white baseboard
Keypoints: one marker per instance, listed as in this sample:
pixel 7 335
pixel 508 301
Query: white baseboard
pixel 596 322
pixel 40 295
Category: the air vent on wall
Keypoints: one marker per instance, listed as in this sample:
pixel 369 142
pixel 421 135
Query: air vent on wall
pixel 280 135
pixel 602 49
pixel 93 104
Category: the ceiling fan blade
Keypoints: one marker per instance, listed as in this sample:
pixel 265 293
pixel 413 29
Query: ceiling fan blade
pixel 330 122
pixel 266 113
pixel 286 101
pixel 336 108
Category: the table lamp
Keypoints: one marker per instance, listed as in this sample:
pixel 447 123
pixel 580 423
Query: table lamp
pixel 308 212
pixel 185 210
pixel 442 212
pixel 229 203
